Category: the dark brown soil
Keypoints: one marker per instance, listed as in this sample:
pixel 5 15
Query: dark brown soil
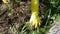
pixel 20 15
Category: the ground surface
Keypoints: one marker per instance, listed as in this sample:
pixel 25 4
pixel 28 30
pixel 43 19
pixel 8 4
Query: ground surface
pixel 9 21
pixel 13 20
pixel 55 29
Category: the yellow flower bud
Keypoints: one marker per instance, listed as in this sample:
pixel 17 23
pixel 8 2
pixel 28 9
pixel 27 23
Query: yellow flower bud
pixel 5 1
pixel 35 20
